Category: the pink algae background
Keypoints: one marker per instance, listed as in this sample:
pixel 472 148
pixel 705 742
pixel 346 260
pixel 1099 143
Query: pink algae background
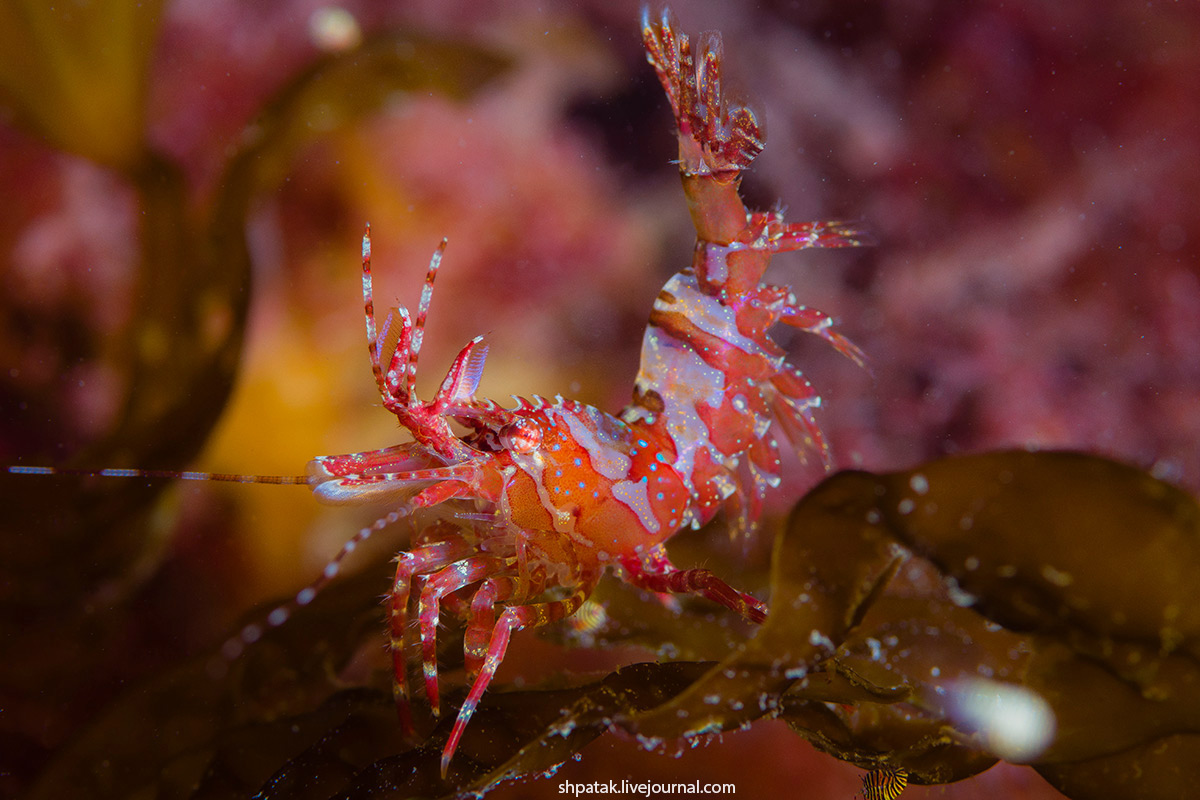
pixel 1029 170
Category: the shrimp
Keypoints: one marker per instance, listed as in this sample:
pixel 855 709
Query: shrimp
pixel 562 492
pixel 573 491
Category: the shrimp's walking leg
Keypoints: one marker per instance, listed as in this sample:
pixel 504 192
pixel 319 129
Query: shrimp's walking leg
pixel 409 565
pixel 447 580
pixel 655 572
pixel 513 618
pixel 478 635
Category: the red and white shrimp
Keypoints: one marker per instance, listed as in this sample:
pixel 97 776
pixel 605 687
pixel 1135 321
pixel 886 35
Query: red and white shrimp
pixel 563 492
pixel 573 491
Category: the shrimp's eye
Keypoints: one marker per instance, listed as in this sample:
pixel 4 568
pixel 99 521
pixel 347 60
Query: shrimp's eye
pixel 521 436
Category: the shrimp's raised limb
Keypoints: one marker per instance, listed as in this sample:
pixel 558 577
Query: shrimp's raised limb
pixel 563 492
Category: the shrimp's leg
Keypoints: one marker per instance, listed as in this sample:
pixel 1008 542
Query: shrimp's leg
pixel 784 307
pixel 497 589
pixel 447 580
pixel 483 618
pixel 512 619
pixel 655 572
pixel 818 323
pixel 793 405
pixel 409 565
pixel 784 237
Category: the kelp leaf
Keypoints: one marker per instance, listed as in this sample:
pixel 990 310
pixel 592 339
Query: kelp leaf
pixel 531 732
pixel 824 571
pixel 876 735
pixel 1054 541
pixel 928 650
pixel 1162 768
pixel 513 735
pixel 1099 711
pixel 1090 564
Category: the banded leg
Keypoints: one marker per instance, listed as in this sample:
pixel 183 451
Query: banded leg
pixel 483 618
pixel 445 581
pixel 513 619
pixel 393 338
pixel 497 589
pixel 781 236
pixel 233 647
pixel 409 566
pixel 400 338
pixel 655 572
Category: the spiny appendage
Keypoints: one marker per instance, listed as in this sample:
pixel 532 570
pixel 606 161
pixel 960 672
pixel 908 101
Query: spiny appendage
pixel 717 136
pixel 793 406
pixel 767 230
pixel 794 401
pixel 781 305
pixel 248 635
pixel 818 323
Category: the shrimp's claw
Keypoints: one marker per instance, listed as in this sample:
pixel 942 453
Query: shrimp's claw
pixel 717 136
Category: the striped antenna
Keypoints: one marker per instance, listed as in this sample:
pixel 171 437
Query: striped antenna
pixel 418 335
pixel 179 475
pixel 369 307
pixel 251 633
